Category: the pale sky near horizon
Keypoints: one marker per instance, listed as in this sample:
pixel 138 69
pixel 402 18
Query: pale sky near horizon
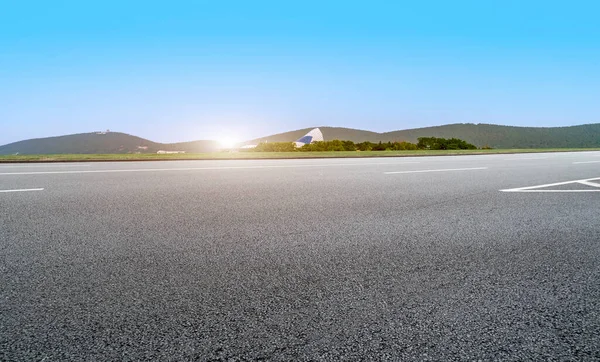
pixel 186 70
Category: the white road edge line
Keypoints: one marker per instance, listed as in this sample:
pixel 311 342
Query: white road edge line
pixel 197 168
pixel 438 170
pixel 533 188
pixel 9 165
pixel 22 190
pixel 582 162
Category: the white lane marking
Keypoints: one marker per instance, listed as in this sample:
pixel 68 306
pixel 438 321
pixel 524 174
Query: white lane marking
pixel 10 165
pixel 21 190
pixel 557 191
pixel 582 162
pixel 197 168
pixel 589 183
pixel 526 158
pixel 537 187
pixel 438 170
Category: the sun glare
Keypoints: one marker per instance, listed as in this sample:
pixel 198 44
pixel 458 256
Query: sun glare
pixel 228 142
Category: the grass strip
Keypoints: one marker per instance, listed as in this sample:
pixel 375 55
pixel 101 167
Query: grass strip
pixel 265 155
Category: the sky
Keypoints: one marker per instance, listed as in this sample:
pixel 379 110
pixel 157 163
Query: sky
pixel 176 71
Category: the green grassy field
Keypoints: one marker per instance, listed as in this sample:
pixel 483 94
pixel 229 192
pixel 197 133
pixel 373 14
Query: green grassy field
pixel 264 155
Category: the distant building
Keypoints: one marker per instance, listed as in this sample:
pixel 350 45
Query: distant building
pixel 313 136
pixel 169 152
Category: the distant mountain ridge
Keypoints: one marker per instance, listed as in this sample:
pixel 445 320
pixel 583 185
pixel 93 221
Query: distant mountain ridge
pixel 496 136
pixel 101 143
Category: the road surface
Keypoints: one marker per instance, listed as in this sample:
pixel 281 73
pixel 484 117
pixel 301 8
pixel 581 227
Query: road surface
pixel 426 258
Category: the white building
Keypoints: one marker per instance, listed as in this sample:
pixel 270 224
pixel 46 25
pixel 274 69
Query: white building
pixel 313 136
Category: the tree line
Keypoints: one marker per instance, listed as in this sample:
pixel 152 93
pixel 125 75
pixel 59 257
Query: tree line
pixel 424 143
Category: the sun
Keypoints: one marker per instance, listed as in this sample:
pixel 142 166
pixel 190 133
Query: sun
pixel 228 142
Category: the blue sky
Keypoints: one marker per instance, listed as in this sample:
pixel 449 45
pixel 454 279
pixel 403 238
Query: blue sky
pixel 186 70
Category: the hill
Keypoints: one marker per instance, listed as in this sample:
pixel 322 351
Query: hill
pixel 478 134
pixel 100 143
pixel 329 133
pixel 495 136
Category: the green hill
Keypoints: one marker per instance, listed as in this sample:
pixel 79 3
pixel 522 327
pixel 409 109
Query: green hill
pixel 478 134
pixel 495 136
pixel 100 143
pixel 329 133
pixel 508 136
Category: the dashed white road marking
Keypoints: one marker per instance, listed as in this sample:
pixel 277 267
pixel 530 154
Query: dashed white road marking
pixel 197 168
pixel 22 190
pixel 437 170
pixel 582 162
pixel 539 188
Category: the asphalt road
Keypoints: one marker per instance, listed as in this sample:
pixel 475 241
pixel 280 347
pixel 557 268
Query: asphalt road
pixel 350 259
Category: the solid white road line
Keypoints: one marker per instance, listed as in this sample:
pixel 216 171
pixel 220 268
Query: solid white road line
pixel 197 168
pixel 582 162
pixel 438 170
pixel 8 165
pixel 535 188
pixel 526 158
pixel 22 190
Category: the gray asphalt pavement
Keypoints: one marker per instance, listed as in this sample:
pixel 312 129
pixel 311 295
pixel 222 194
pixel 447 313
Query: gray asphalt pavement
pixel 409 259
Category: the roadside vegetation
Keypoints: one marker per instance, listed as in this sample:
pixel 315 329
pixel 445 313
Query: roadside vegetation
pixel 425 143
pixel 267 155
